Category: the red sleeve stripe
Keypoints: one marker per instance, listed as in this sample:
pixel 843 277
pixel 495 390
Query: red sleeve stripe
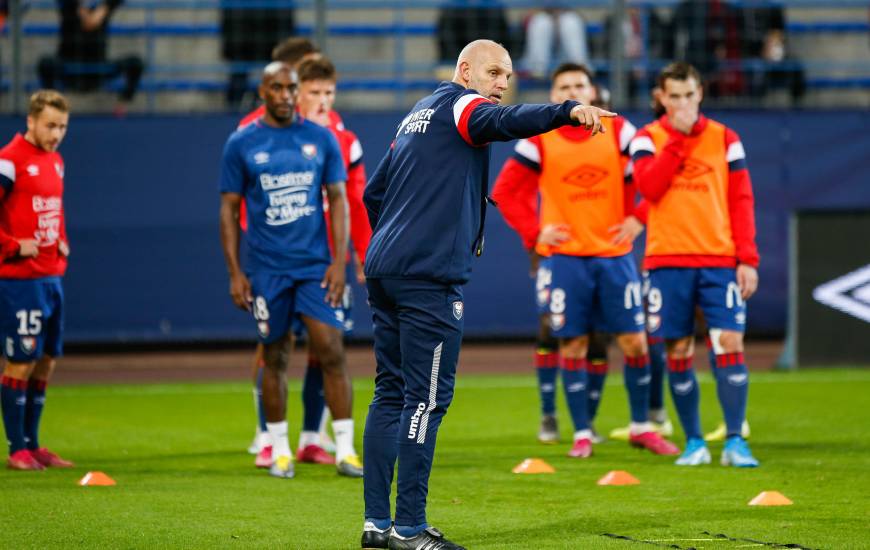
pixel 462 114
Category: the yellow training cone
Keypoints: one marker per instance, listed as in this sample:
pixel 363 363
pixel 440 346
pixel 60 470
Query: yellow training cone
pixel 92 479
pixel 618 477
pixel 770 498
pixel 533 466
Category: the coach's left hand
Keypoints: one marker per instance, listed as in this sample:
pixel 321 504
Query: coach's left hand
pixel 747 280
pixel 333 282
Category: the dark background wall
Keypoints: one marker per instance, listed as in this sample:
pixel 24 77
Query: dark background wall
pixel 142 204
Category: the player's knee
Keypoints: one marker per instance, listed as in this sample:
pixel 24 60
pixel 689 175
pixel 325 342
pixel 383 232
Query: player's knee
pixel 632 344
pixel 276 355
pixel 44 368
pixel 681 348
pixel 19 371
pixel 574 348
pixel 332 358
pixel 730 341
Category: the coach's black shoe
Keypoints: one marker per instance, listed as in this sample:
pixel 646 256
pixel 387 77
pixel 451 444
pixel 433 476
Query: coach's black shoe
pixel 427 539
pixel 373 538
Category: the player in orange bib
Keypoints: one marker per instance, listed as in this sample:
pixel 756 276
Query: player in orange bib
pixel 587 199
pixel 700 251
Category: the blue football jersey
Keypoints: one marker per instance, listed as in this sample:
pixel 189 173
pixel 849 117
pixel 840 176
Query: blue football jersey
pixel 280 173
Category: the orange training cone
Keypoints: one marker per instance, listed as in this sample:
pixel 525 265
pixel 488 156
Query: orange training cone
pixel 92 479
pixel 770 498
pixel 533 466
pixel 618 477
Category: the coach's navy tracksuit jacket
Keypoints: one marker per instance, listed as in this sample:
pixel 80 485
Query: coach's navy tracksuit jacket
pixel 426 203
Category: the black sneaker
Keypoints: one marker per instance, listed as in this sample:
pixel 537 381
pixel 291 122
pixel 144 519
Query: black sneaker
pixel 427 539
pixel 373 538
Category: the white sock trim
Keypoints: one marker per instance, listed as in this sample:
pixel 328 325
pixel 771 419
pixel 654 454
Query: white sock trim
pixel 280 442
pixel 343 430
pixel 637 428
pixel 583 434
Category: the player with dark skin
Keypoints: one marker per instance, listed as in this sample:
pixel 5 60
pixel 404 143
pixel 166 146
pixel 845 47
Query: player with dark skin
pixel 278 90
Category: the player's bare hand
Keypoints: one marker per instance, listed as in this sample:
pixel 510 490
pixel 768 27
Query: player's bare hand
pixel 359 270
pixel 627 231
pixel 28 248
pixel 63 248
pixel 590 117
pixel 684 120
pixel 334 282
pixel 534 261
pixel 240 291
pixel 554 234
pixel 747 280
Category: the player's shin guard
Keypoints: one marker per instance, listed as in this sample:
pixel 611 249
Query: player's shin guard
pixel 33 412
pixel 13 399
pixel 546 367
pixel 596 370
pixel 657 369
pixel 637 380
pixel 312 396
pixel 575 382
pixel 732 387
pixel 686 395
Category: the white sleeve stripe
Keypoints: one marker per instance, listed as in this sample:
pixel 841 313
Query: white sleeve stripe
pixel 7 168
pixel 527 150
pixel 641 143
pixel 356 151
pixel 735 152
pixel 461 104
pixel 626 135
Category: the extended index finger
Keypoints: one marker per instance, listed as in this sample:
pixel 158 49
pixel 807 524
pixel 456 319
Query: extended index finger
pixel 607 114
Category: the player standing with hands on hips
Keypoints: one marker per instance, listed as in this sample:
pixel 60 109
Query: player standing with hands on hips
pixel 33 258
pixel 426 203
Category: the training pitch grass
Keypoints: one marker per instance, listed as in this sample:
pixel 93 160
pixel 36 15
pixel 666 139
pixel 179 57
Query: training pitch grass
pixel 184 480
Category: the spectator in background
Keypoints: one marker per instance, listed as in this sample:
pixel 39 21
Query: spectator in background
pixel 81 62
pixel 248 35
pixel 463 21
pixel 707 35
pixel 639 46
pixel 764 38
pixel 548 27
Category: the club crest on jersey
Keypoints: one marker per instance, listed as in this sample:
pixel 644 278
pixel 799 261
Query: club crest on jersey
pixel 309 151
pixel 28 344
pixel 457 310
pixel 261 158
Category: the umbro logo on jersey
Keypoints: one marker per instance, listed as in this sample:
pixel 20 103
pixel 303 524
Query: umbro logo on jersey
pixel 33 170
pixel 585 176
pixel 683 388
pixel 261 158
pixel 309 151
pixel 849 294
pixel 693 168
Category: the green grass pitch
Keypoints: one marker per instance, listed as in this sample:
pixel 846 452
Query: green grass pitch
pixel 184 480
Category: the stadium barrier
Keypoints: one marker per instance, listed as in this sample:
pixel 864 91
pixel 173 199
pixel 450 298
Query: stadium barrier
pixel 142 205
